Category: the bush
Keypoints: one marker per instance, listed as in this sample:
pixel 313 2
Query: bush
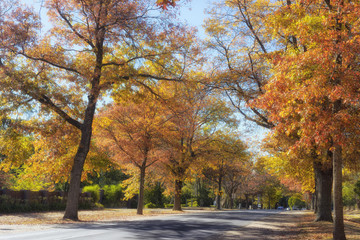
pixel 95 192
pixel 204 200
pixel 169 205
pixel 154 194
pixel 150 205
pixel 11 205
pixel 112 195
pixel 192 202
pixel 296 200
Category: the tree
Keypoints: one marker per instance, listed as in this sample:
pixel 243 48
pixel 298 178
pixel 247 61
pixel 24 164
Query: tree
pixel 243 66
pixel 303 165
pixel 195 115
pixel 91 45
pixel 131 132
pixel 235 179
pixel 317 78
pixel 223 154
pixel 241 44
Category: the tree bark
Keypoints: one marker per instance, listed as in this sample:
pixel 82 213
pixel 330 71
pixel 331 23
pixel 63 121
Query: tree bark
pixel 323 178
pixel 177 199
pixel 218 197
pixel 231 202
pixel 247 201
pixel 339 232
pixel 72 204
pixel 140 205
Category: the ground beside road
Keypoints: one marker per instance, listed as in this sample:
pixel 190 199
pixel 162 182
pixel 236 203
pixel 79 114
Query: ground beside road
pixel 286 225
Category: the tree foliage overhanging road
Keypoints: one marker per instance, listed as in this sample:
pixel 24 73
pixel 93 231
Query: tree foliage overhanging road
pixel 168 100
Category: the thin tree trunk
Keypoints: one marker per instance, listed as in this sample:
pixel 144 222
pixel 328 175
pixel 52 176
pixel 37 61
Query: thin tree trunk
pixel 140 205
pixel 314 198
pixel 231 203
pixel 177 199
pixel 247 201
pixel 339 232
pixel 323 178
pixel 218 200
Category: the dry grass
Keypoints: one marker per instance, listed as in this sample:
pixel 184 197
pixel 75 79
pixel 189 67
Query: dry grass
pixel 84 216
pixel 353 215
pixel 310 230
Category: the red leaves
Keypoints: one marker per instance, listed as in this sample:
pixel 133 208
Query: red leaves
pixel 165 3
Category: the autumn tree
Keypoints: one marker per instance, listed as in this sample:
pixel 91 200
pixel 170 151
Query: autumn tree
pixel 195 115
pixel 235 180
pixel 131 132
pixel 239 39
pixel 90 46
pixel 317 78
pixel 223 154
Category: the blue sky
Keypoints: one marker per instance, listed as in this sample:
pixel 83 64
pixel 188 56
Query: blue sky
pixel 193 13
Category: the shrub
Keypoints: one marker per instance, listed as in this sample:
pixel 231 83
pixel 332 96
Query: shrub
pixel 95 192
pixel 169 205
pixel 204 200
pixel 154 194
pixel 296 200
pixel 112 195
pixel 150 205
pixel 192 202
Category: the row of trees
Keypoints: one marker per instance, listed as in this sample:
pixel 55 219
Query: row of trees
pixel 290 67
pixel 90 47
pixel 94 50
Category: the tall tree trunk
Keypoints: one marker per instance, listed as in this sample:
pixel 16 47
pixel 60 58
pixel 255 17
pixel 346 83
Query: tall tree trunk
pixel 218 199
pixel 339 232
pixel 314 198
pixel 247 201
pixel 72 204
pixel 323 178
pixel 177 199
pixel 140 205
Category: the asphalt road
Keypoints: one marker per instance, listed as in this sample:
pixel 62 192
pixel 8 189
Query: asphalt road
pixel 204 225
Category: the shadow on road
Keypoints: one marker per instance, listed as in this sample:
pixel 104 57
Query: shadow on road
pixel 219 225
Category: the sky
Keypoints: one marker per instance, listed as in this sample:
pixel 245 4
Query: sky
pixel 193 13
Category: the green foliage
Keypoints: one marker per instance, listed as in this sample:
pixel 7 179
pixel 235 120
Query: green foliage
pixel 357 188
pixel 10 205
pixel 154 195
pixel 204 199
pixel 168 205
pixel 192 202
pixel 111 176
pixel 150 205
pixel 186 194
pixel 296 201
pixel 95 192
pixel 349 194
pixel 113 194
